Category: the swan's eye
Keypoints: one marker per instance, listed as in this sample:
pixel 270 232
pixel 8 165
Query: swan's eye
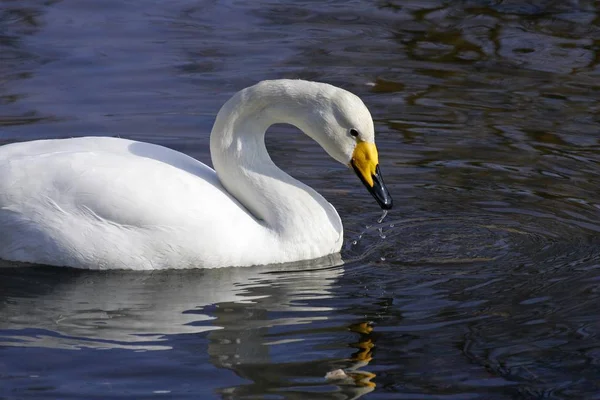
pixel 353 132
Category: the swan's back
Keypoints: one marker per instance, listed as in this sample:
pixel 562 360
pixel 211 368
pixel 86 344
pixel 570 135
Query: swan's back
pixel 76 202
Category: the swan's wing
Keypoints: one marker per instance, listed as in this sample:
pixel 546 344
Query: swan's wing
pixel 58 193
pixel 129 183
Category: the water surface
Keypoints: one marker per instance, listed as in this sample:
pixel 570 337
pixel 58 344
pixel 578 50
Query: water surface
pixel 487 283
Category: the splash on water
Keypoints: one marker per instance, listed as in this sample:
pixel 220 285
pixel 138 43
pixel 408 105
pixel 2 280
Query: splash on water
pixel 383 215
pixel 370 227
pixel 379 221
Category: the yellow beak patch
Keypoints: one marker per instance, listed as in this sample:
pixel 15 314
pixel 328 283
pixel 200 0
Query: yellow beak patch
pixel 365 159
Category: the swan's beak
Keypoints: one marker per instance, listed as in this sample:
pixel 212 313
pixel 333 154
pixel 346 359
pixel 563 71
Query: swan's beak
pixel 365 162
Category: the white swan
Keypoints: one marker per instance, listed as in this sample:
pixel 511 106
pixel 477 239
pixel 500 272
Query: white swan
pixel 107 203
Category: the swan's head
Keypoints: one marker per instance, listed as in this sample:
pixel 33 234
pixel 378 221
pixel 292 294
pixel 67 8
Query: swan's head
pixel 343 126
pixel 335 118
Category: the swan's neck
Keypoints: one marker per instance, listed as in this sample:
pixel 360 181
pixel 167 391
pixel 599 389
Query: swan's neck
pixel 239 155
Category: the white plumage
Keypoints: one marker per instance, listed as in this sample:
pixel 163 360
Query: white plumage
pixel 108 203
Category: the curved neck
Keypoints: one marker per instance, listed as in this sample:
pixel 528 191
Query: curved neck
pixel 240 158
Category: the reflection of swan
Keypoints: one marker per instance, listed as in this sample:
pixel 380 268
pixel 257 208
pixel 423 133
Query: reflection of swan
pixel 113 203
pixel 139 310
pixel 351 379
pixel 293 375
pixel 250 318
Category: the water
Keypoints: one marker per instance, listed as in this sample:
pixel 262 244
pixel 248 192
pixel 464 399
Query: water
pixel 487 283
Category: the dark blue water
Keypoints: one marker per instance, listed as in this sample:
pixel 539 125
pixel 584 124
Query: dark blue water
pixel 487 282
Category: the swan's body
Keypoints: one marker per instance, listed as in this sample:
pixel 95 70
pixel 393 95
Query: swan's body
pixel 107 203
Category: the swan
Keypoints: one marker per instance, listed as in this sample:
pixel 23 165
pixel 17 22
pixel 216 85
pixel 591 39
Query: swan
pixel 112 203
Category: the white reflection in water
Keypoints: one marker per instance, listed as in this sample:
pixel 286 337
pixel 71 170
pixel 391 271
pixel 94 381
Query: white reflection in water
pixel 136 310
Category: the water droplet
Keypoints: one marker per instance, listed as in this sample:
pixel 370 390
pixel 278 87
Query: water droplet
pixel 382 258
pixel 354 242
pixel 383 215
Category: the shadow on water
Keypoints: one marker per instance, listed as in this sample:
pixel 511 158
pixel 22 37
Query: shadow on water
pixel 486 283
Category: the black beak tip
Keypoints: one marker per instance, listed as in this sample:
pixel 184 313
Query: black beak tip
pixel 379 191
pixel 387 204
pixel 381 194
